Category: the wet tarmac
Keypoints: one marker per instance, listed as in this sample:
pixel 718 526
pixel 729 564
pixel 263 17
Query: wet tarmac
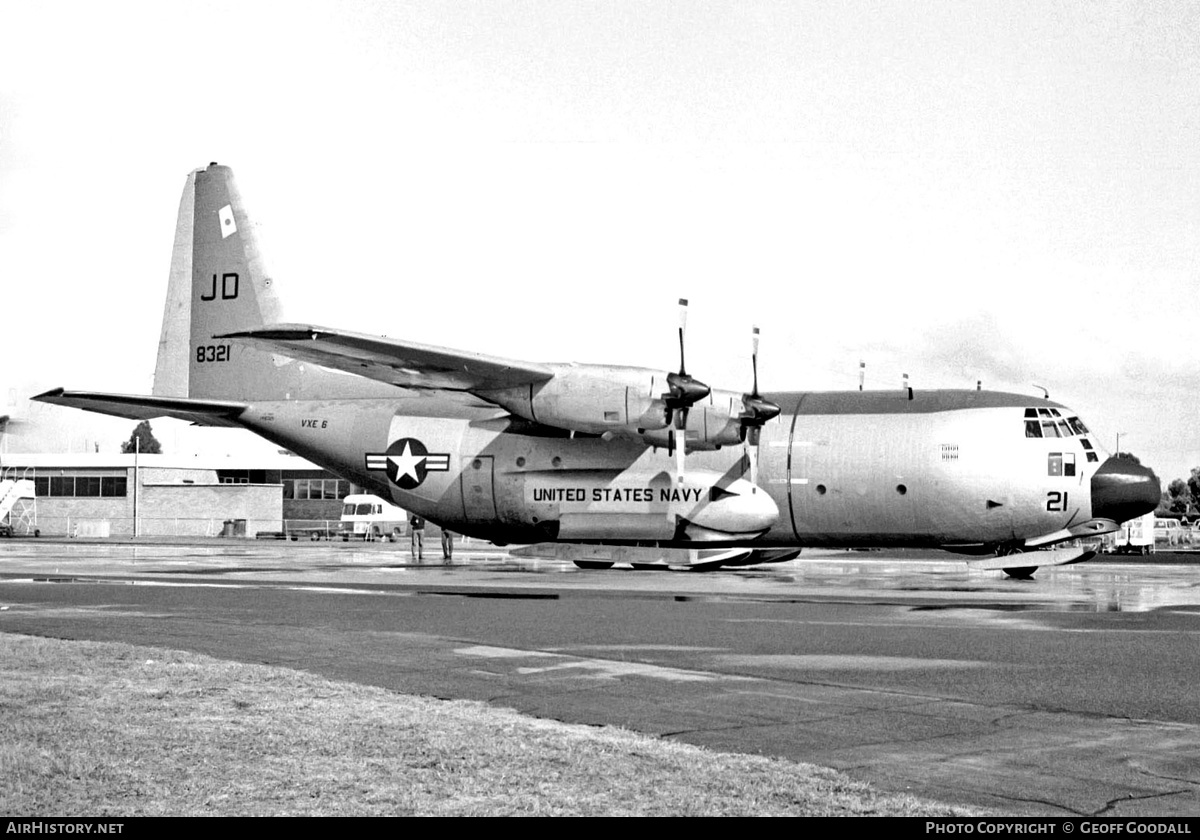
pixel 1072 693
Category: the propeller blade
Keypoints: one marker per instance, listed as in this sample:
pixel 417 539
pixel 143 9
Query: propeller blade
pixel 754 359
pixel 685 390
pixel 756 412
pixel 752 439
pixel 682 330
pixel 679 438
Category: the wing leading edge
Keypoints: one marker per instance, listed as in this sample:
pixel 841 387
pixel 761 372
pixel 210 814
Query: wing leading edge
pixel 401 363
pixel 134 407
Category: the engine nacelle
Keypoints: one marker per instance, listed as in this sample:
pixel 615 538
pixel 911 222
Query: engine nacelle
pixel 712 423
pixel 595 399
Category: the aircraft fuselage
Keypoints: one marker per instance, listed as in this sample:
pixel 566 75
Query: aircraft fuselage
pixel 934 468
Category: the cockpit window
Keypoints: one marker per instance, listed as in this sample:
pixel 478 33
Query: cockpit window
pixel 1049 423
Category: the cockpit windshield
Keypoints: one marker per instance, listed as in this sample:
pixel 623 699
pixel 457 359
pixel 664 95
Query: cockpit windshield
pixel 1047 422
pixel 1050 423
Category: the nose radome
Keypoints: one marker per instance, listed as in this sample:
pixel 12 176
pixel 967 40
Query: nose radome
pixel 1123 490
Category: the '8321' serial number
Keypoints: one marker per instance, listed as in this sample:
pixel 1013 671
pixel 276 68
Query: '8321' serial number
pixel 213 353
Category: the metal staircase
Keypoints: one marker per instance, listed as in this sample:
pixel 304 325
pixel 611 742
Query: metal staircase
pixel 18 504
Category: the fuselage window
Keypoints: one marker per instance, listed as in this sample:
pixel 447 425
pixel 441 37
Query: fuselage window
pixel 1049 429
pixel 1060 463
pixel 1032 429
pixel 1077 425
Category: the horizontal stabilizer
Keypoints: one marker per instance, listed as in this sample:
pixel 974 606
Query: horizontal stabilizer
pixel 135 407
pixel 400 363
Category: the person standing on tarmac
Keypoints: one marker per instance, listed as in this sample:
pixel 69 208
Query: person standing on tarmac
pixel 416 526
pixel 447 546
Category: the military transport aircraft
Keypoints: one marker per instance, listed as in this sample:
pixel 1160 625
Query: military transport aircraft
pixel 600 464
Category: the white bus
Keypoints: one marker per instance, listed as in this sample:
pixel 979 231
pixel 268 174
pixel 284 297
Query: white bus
pixel 371 518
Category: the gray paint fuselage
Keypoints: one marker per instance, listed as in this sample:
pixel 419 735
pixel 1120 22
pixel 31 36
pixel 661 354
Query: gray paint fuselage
pixel 844 468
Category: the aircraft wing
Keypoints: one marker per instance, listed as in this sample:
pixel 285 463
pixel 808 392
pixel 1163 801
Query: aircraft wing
pixel 135 407
pixel 402 363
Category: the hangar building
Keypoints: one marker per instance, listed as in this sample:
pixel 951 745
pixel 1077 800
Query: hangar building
pixel 173 495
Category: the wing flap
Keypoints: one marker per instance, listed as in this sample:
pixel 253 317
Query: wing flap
pixel 135 407
pixel 402 363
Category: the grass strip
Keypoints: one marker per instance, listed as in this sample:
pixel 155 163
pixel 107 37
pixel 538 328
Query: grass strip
pixel 104 729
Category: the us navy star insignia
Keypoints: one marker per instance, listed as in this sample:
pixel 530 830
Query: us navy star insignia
pixel 407 462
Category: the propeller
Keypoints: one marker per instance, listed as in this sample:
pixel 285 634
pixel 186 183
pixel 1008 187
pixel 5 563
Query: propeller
pixel 685 391
pixel 756 413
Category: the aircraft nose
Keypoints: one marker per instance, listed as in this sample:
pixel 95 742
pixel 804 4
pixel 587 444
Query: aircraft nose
pixel 1123 490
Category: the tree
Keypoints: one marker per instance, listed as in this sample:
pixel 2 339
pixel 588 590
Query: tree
pixel 142 440
pixel 1178 497
pixel 1193 484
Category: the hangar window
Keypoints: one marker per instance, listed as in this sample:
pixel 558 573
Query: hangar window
pixel 315 488
pixel 80 486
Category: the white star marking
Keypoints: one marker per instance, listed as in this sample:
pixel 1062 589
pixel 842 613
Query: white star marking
pixel 406 463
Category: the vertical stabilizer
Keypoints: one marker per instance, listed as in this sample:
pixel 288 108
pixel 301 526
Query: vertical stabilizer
pixel 230 291
pixel 219 285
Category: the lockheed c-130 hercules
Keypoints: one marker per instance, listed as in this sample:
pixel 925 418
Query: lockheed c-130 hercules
pixel 600 464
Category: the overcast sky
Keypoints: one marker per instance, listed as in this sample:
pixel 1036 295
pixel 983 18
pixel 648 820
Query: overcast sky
pixel 998 191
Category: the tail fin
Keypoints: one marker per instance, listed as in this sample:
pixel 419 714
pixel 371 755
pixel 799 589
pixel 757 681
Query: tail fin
pixel 219 285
